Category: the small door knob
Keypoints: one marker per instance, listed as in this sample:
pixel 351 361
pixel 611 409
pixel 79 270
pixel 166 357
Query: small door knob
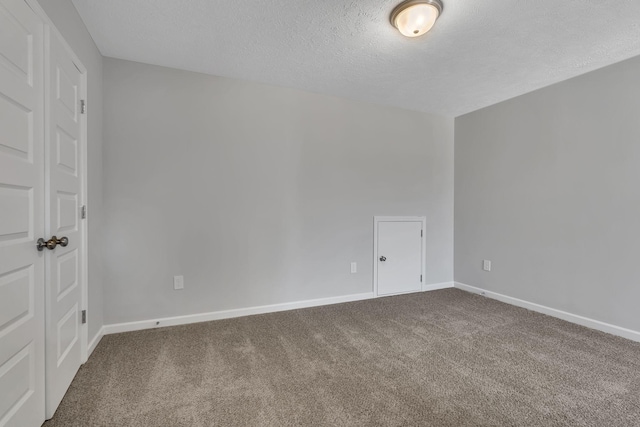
pixel 383 258
pixel 51 243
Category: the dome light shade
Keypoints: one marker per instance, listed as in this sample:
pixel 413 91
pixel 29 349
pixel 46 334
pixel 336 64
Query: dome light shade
pixel 414 18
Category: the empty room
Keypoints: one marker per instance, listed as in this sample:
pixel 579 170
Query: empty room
pixel 319 213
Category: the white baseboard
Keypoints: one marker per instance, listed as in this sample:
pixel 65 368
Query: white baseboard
pixel 437 286
pixel 569 317
pixel 228 314
pixel 95 341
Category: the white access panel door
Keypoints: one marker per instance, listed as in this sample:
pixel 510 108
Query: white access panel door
pixel 21 216
pixel 399 257
pixel 64 194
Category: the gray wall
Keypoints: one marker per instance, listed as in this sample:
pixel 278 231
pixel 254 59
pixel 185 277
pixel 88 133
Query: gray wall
pixel 547 186
pixel 257 194
pixel 68 22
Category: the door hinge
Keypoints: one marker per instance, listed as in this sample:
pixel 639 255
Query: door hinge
pixel 84 316
pixel 83 212
pixel 83 106
pixel 421 278
pixel 421 233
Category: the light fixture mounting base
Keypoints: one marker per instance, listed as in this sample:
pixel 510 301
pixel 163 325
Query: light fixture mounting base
pixel 408 3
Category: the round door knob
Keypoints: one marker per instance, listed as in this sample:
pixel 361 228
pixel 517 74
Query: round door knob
pixel 383 258
pixel 51 243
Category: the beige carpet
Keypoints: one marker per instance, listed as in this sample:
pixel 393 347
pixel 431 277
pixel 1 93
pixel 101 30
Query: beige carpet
pixel 444 358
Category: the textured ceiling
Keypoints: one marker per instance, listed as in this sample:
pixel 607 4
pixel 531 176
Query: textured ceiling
pixel 480 51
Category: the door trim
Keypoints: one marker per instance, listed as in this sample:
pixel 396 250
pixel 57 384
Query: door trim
pixel 50 30
pixel 378 219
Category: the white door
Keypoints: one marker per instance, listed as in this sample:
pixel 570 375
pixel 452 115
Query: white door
pixel 21 216
pixel 63 196
pixel 399 256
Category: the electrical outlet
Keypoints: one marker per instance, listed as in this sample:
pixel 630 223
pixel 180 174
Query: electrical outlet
pixel 354 268
pixel 486 265
pixel 178 282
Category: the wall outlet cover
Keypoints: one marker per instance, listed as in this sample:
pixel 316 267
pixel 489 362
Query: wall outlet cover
pixel 486 265
pixel 178 282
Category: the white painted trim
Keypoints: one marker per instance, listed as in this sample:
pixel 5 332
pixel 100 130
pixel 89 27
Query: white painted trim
pixel 437 286
pixel 228 314
pixel 569 317
pixel 377 219
pixel 95 341
pixel 84 223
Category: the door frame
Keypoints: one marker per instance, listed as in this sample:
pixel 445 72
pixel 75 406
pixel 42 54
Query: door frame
pixel 50 30
pixel 379 219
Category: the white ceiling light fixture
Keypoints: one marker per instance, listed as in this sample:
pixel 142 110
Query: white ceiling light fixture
pixel 414 18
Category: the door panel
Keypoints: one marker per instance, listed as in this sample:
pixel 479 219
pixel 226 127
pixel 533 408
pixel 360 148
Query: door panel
pixel 67 280
pixel 16 122
pixel 400 245
pixel 67 212
pixel 63 267
pixel 16 297
pixel 66 152
pixel 16 203
pixel 21 216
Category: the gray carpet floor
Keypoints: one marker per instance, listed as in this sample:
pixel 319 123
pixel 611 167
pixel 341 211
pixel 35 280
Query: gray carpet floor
pixel 444 358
